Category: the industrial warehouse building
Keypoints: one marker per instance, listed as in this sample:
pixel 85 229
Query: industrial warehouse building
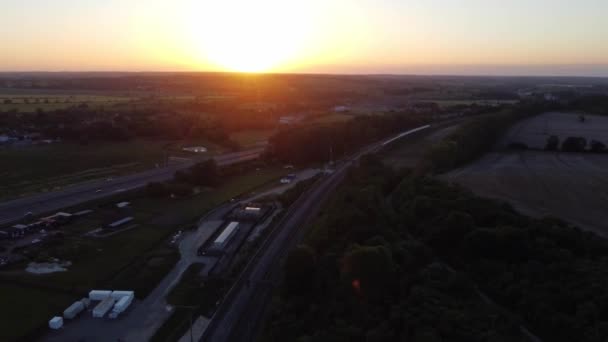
pixel 224 238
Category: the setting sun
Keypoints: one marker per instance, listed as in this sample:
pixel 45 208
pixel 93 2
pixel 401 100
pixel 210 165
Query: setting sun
pixel 249 36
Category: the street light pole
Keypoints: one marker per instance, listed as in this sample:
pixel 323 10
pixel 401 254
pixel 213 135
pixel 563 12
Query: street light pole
pixel 191 308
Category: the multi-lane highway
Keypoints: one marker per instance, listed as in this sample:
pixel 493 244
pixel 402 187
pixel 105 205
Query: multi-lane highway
pixel 15 210
pixel 237 317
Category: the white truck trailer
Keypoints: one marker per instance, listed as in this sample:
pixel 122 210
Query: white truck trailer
pixel 102 308
pixel 121 305
pixel 56 323
pixel 73 310
pixel 119 294
pixel 99 294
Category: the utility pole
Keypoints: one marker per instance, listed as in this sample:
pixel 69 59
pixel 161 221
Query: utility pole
pixel 191 308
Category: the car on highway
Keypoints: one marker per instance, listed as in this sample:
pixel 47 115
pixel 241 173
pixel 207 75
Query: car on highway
pixel 288 179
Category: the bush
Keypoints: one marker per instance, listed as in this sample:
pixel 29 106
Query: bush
pixel 370 267
pixel 468 142
pixel 300 270
pixel 552 143
pixel 518 146
pixel 597 146
pixel 205 173
pixel 180 189
pixel 156 189
pixel 574 144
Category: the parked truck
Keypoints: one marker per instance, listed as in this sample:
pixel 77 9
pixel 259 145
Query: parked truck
pixel 73 310
pixel 121 305
pixel 102 308
pixel 99 294
pixel 56 323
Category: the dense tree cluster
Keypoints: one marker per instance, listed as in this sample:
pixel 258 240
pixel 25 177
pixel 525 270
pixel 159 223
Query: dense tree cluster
pixel 574 144
pixel 400 258
pixel 596 104
pixel 322 143
pixel 469 141
pixel 476 137
pixel 90 125
pixel 204 173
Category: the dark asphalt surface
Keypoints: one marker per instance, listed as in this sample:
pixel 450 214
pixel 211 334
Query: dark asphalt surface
pixel 39 204
pixel 239 314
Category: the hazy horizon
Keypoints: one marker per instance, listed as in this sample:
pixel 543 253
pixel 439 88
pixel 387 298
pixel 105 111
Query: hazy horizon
pixel 437 37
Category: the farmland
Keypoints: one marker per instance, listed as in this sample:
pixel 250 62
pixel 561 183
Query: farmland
pixel 30 102
pixel 534 131
pixel 571 186
pixel 407 153
pixel 252 137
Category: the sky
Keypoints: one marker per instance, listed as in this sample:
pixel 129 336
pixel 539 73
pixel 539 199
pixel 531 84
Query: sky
pixel 476 37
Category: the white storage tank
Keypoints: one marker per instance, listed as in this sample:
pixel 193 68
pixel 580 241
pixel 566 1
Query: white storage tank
pixel 99 294
pixel 56 323
pixel 102 308
pixel 73 310
pixel 119 294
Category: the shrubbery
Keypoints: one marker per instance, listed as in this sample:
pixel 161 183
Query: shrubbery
pixel 469 142
pixel 382 276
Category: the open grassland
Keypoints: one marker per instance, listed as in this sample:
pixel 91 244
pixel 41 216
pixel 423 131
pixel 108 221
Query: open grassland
pixel 46 167
pixel 450 103
pixel 251 138
pixel 330 118
pixel 571 186
pixel 534 131
pixel 32 102
pixel 136 259
pixel 408 152
pixel 19 316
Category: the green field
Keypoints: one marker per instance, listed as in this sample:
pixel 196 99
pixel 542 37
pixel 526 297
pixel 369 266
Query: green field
pixel 32 102
pixel 137 258
pixel 331 118
pixel 46 167
pixel 18 316
pixel 449 103
pixel 42 168
pixel 251 137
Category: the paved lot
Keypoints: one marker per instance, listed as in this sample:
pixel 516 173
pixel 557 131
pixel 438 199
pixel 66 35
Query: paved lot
pixel 144 317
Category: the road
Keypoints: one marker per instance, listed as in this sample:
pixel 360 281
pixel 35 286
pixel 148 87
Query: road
pixel 239 314
pixel 39 204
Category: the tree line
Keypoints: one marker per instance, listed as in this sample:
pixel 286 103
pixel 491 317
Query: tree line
pixel 324 143
pixel 396 257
